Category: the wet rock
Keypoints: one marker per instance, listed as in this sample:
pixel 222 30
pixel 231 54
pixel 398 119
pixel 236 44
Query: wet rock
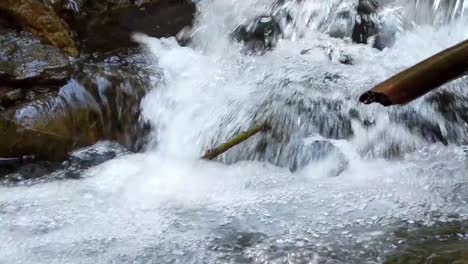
pixel 261 34
pixel 18 140
pixel 42 21
pixel 108 25
pixel 370 28
pixel 419 125
pixel 441 243
pixel 184 37
pixel 28 171
pixel 7 23
pixel 85 158
pixel 365 25
pixel 454 109
pixel 339 56
pixel 9 97
pixel 100 102
pixel 25 60
pixel 320 155
pixel 73 5
pixel 284 145
pixel 367 6
pixel 233 243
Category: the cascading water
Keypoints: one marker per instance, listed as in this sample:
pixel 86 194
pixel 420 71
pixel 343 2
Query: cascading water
pixel 328 184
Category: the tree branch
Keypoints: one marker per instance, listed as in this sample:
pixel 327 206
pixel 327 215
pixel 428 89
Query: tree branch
pixel 215 152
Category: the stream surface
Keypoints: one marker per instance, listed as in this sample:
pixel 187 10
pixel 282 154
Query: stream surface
pixel 331 183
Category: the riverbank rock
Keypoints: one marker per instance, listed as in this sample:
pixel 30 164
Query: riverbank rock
pixel 42 21
pixel 51 105
pixel 30 172
pixel 25 60
pixel 101 101
pixel 104 26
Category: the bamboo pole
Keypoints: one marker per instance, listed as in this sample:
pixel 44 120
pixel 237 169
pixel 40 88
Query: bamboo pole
pixel 422 78
pixel 215 152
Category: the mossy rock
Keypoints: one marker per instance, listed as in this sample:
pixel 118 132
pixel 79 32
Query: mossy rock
pixel 97 104
pixel 109 25
pixel 42 21
pixel 24 60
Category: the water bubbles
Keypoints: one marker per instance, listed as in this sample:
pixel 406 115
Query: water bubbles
pixel 316 189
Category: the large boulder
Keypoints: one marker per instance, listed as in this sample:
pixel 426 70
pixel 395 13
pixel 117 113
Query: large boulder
pixel 109 24
pixel 97 25
pixel 102 101
pixel 37 18
pixel 50 105
pixel 25 60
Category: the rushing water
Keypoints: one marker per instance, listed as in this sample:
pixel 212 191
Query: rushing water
pixel 329 184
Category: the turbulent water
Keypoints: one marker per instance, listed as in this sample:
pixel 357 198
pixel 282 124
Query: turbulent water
pixel 329 183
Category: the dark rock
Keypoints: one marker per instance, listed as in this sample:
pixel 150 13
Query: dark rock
pixel 346 59
pixel 368 6
pixel 184 37
pixel 419 125
pixel 99 25
pixel 453 108
pixel 108 25
pixel 7 23
pixel 364 28
pixel 338 56
pixel 113 60
pixel 85 158
pixel 318 152
pixel 100 102
pixel 441 243
pixel 10 97
pixel 42 21
pixel 261 34
pixel 27 171
pixel 368 29
pixel 24 60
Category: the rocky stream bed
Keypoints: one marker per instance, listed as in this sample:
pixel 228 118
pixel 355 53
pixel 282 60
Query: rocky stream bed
pixel 79 94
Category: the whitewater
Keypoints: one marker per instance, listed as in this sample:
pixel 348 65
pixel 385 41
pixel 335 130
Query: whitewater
pixel 330 183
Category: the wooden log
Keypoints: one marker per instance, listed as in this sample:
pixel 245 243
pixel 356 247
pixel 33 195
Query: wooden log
pixel 422 78
pixel 215 152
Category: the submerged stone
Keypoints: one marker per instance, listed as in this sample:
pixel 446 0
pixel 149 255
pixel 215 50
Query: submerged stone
pixel 366 25
pixel 369 27
pixel 261 34
pixel 441 243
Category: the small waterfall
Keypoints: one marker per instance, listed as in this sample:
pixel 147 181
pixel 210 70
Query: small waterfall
pixel 301 88
pixel 332 182
pixel 433 12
